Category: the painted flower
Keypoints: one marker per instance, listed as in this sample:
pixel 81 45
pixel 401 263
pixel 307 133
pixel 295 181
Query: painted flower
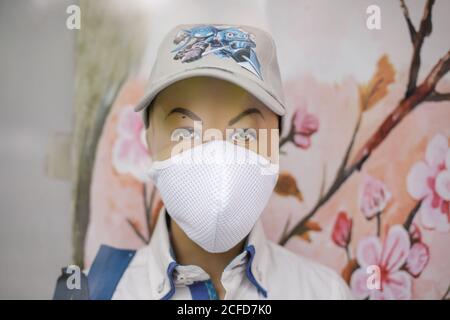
pixel 414 233
pixel 419 254
pixel 397 261
pixel 373 197
pixel 418 258
pixel 390 257
pixel 130 152
pixel 342 229
pixel 429 182
pixel 304 125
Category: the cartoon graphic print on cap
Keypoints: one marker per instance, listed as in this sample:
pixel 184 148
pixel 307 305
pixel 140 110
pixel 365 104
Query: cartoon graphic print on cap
pixel 223 41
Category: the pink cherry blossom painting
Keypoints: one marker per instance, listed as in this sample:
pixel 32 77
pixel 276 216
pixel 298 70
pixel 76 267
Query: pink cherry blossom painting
pixel 364 184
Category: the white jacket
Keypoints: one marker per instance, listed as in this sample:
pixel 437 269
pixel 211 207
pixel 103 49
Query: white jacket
pixel 263 271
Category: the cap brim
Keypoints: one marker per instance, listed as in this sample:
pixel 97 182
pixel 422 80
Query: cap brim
pixel 247 84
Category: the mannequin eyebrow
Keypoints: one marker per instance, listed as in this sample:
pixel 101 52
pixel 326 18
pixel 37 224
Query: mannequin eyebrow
pixel 243 114
pixel 186 112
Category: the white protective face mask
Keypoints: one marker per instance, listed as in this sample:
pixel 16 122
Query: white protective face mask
pixel 215 191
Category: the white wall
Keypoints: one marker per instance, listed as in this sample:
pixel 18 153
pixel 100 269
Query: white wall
pixel 36 100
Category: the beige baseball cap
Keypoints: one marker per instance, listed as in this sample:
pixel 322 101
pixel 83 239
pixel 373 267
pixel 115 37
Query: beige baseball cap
pixel 243 55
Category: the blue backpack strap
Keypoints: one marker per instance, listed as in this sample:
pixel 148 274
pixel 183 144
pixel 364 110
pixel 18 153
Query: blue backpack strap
pixel 107 270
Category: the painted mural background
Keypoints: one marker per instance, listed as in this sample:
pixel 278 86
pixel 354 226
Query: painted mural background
pixel 365 153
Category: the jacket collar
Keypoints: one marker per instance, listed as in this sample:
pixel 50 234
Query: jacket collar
pixel 162 263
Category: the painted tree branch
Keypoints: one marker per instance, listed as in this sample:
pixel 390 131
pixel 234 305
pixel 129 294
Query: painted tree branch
pixel 137 232
pixel 413 97
pixel 444 297
pixel 289 136
pixel 411 216
pixel 406 105
pixel 148 206
pixel 438 96
pixel 322 200
pixel 417 41
pixel 412 30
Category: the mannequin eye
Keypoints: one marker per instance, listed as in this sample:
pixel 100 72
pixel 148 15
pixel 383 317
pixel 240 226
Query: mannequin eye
pixel 243 135
pixel 180 134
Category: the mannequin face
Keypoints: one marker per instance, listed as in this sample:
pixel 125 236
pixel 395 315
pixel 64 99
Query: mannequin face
pixel 201 109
